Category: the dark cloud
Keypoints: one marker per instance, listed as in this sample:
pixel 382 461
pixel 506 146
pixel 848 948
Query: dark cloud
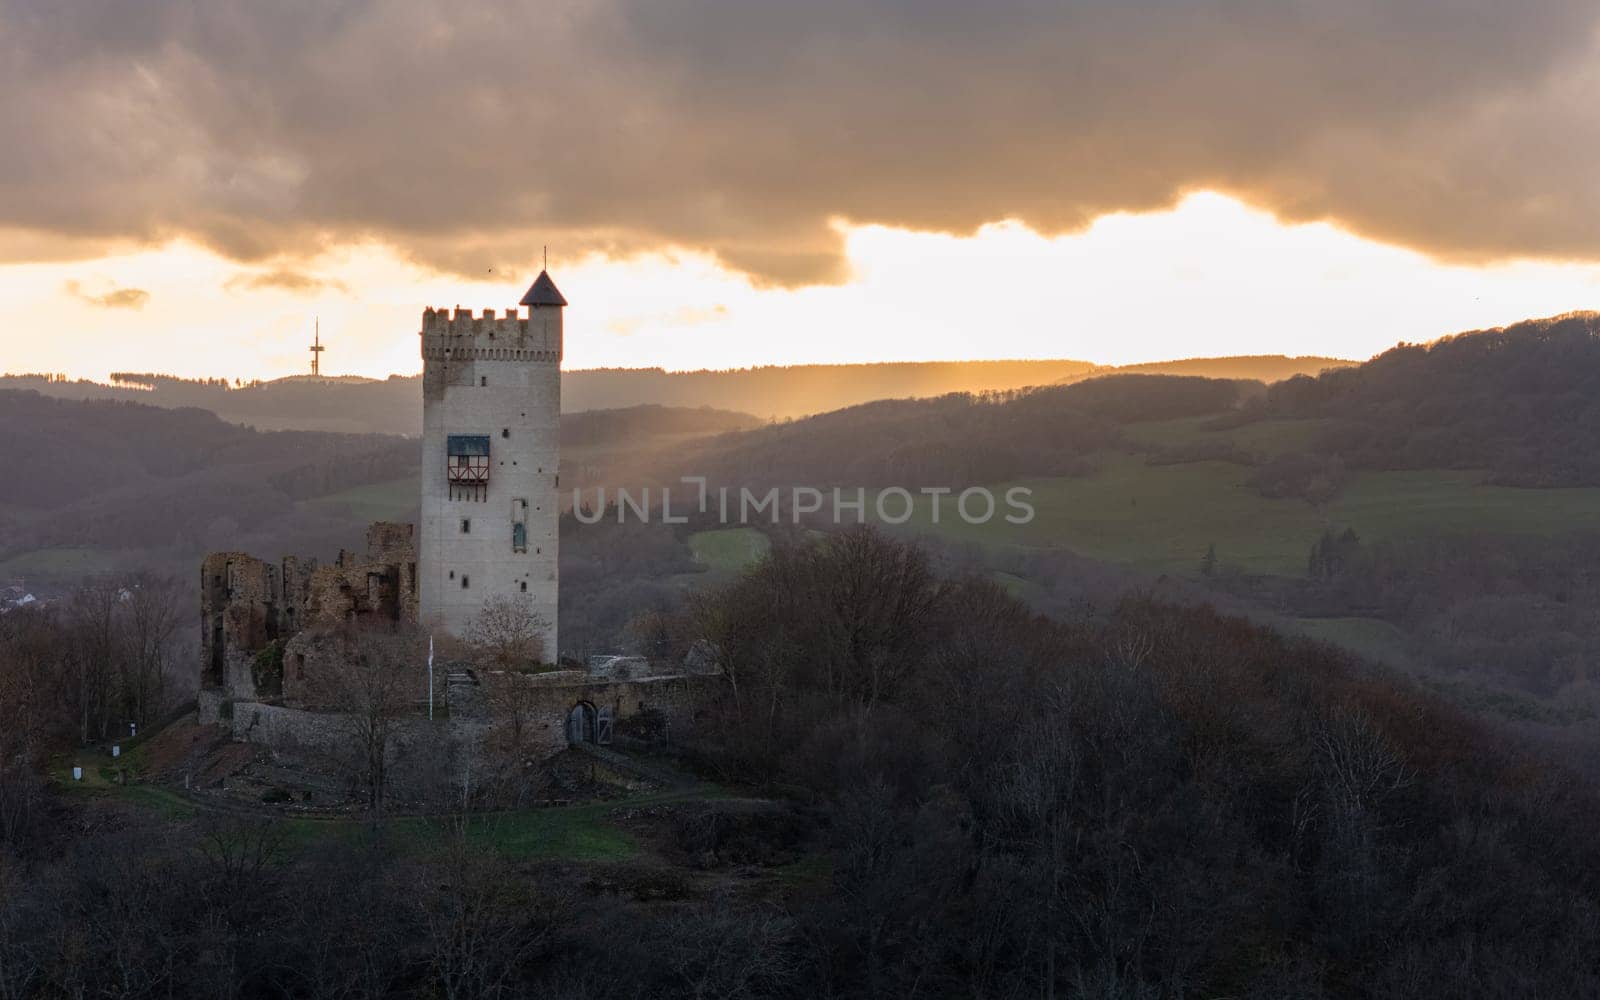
pixel 116 298
pixel 469 134
pixel 284 279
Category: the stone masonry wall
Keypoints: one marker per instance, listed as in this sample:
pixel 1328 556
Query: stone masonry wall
pixel 545 700
pixel 246 604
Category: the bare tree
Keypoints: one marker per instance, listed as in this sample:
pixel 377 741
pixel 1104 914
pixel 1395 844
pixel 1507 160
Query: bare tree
pixel 93 614
pixel 513 702
pixel 152 618
pixel 36 717
pixel 480 921
pixel 374 681
pixel 508 632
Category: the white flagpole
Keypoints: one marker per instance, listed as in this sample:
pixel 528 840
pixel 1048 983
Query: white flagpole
pixel 430 676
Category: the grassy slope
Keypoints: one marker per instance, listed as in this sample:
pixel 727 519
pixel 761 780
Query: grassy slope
pixel 392 500
pixel 728 550
pixel 582 832
pixel 58 563
pixel 1162 518
pixel 586 831
pixel 1265 437
pixel 1370 637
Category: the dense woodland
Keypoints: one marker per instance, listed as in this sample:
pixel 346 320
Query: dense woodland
pixel 1522 402
pixel 1150 801
pixel 960 439
pixel 1518 612
pixel 164 485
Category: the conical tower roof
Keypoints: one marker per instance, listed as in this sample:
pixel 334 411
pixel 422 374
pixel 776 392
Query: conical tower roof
pixel 543 292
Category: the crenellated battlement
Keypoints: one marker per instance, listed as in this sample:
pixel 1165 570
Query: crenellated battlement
pixel 441 323
pixel 461 336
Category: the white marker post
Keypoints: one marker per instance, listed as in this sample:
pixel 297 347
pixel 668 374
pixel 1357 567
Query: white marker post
pixel 430 676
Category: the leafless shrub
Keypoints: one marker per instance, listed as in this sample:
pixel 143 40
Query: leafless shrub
pixel 508 633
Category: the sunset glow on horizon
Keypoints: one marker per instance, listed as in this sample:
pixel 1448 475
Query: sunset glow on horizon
pixel 1209 277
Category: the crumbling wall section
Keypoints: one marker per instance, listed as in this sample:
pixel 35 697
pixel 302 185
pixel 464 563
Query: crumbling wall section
pixel 543 701
pixel 423 755
pixel 247 604
pixel 239 614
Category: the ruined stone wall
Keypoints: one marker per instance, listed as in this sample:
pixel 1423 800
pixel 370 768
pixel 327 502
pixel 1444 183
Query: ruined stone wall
pixel 285 728
pixel 296 588
pixel 422 753
pixel 545 700
pixel 208 703
pixel 471 729
pixel 383 584
pixel 240 603
pixel 247 604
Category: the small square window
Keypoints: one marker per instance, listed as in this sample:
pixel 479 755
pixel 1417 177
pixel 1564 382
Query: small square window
pixel 505 432
pixel 524 585
pixel 466 525
pixel 463 581
pixel 483 380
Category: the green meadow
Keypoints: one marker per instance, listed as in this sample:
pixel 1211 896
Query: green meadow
pixel 1264 437
pixel 1162 518
pixel 728 550
pixel 58 563
pixel 393 500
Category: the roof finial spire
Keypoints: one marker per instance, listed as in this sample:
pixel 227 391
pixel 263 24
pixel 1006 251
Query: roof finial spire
pixel 546 257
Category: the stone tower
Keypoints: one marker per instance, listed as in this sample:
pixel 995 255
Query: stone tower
pixel 491 414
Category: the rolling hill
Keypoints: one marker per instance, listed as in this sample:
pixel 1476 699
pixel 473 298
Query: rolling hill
pixel 108 484
pixel 357 405
pixel 1521 402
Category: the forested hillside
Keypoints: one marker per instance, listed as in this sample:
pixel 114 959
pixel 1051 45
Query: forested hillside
pixel 960 439
pixel 100 484
pixel 922 789
pixel 151 487
pixel 1522 402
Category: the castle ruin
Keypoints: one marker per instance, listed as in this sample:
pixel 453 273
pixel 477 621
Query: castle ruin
pixel 271 634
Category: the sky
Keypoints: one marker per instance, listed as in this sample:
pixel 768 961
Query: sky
pixel 724 184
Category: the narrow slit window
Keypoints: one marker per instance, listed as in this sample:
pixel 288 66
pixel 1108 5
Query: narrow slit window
pixel 519 525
